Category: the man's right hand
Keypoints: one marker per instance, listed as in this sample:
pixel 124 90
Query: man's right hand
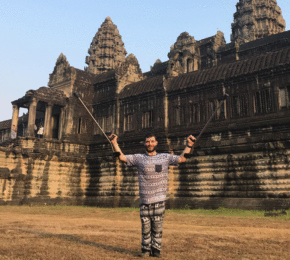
pixel 117 149
pixel 113 138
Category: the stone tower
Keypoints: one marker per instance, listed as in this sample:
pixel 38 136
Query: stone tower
pixel 256 19
pixel 184 55
pixel 107 49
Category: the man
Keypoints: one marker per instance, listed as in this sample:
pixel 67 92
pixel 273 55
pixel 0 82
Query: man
pixel 152 169
pixel 40 132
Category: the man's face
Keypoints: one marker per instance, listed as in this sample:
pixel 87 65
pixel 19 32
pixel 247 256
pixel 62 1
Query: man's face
pixel 150 144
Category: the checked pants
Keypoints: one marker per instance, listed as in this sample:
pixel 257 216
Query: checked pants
pixel 152 217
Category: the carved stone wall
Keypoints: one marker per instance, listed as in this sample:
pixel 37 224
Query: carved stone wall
pixel 184 55
pixel 61 74
pixel 222 173
pixel 41 172
pixel 129 72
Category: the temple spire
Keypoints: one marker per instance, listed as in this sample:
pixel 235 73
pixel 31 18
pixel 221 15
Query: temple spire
pixel 256 19
pixel 107 49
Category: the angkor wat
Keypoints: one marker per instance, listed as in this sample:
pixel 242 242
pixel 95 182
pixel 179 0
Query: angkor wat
pixel 241 161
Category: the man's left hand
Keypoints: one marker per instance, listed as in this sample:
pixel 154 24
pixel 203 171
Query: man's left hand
pixel 191 140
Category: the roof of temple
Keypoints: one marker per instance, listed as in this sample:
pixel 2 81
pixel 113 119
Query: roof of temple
pixel 206 40
pixel 143 86
pixel 159 68
pixel 5 124
pixel 269 40
pixel 51 95
pixel 221 72
pixel 105 76
pixel 85 76
pixel 231 70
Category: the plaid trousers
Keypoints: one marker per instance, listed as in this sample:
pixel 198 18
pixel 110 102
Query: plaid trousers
pixel 152 217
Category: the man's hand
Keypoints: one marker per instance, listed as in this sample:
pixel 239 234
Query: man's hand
pixel 113 138
pixel 191 140
pixel 117 149
pixel 190 143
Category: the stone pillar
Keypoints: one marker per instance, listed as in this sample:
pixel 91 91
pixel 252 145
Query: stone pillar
pixel 69 120
pixel 47 131
pixel 195 64
pixel 61 123
pixel 15 116
pixel 31 118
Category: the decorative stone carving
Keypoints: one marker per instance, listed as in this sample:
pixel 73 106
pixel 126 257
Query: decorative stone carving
pixel 256 19
pixel 219 40
pixel 129 72
pixel 184 55
pixel 61 71
pixel 209 47
pixel 107 49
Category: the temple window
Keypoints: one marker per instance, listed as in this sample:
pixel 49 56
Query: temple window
pixel 202 112
pixel 208 62
pixel 82 127
pixel 179 115
pixel 108 124
pixel 105 119
pixel 96 128
pixel 79 126
pixel 263 100
pixel 194 114
pixel 284 97
pixel 221 112
pixel 239 106
pixel 128 122
pixel 176 115
pixel 211 108
pixel 128 117
pixel 147 119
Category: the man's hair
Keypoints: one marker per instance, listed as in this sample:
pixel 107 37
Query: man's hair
pixel 150 135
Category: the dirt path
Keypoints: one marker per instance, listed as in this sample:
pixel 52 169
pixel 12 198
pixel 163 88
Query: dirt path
pixel 89 233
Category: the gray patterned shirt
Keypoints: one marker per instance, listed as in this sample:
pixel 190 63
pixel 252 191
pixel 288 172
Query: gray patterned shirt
pixel 152 175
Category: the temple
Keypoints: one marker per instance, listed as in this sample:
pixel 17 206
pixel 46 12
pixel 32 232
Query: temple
pixel 241 161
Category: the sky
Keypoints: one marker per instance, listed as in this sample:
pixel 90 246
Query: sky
pixel 33 33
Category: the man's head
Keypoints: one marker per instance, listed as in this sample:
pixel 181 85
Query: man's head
pixel 150 143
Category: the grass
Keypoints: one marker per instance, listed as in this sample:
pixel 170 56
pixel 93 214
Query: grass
pixel 231 212
pixel 201 212
pixel 76 232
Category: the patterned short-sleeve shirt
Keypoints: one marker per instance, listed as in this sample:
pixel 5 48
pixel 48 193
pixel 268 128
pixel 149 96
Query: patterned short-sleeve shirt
pixel 152 175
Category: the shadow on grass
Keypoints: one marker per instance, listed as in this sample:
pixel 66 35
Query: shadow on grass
pixel 78 240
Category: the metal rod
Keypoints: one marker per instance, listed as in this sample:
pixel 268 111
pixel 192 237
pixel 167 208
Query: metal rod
pixel 95 121
pixel 213 114
pixel 208 121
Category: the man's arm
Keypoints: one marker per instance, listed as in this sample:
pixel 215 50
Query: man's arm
pixel 114 142
pixel 190 143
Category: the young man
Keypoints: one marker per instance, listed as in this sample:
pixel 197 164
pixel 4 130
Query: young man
pixel 152 169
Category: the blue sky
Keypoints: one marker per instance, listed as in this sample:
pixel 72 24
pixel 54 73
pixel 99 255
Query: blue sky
pixel 35 32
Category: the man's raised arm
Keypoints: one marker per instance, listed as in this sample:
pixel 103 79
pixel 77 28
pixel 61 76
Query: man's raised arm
pixel 114 142
pixel 190 143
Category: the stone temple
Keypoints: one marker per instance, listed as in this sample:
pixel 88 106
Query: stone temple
pixel 241 161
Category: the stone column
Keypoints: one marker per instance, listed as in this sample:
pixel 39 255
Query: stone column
pixel 31 118
pixel 47 132
pixel 15 116
pixel 69 120
pixel 61 123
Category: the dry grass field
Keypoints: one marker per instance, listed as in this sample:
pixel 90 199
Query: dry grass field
pixel 49 232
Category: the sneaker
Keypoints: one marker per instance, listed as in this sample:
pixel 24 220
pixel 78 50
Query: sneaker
pixel 156 252
pixel 145 253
